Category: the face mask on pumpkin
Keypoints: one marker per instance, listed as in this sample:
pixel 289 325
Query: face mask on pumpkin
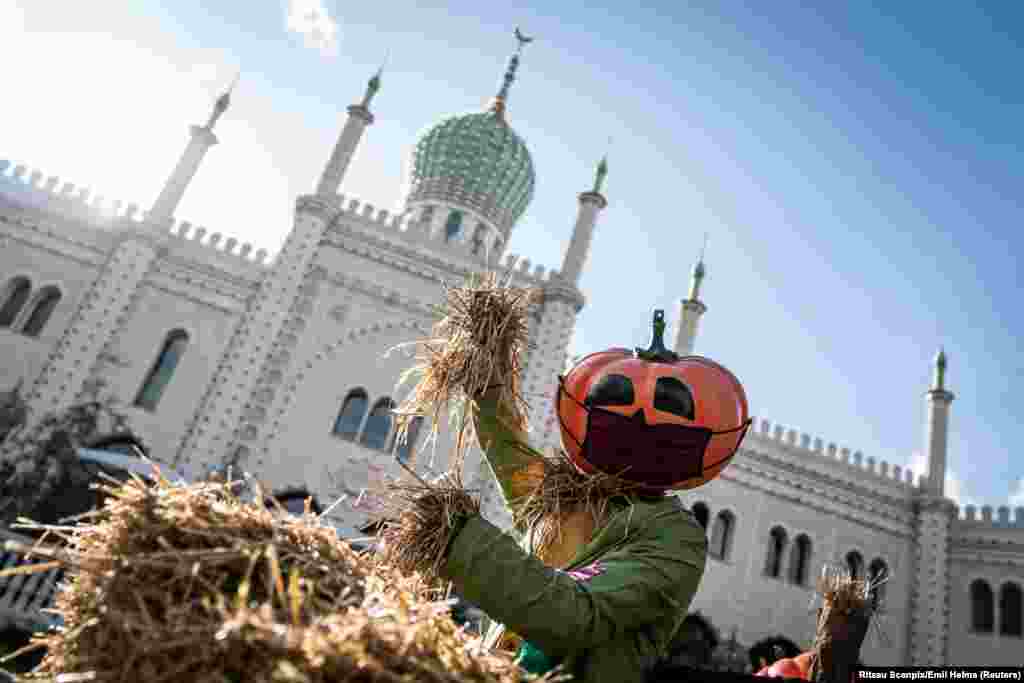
pixel 650 416
pixel 656 455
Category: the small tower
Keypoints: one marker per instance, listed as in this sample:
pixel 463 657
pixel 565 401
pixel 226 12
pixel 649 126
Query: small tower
pixel 929 624
pixel 202 140
pixel 95 333
pixel 359 117
pixel 938 401
pixel 229 424
pixel 690 310
pixel 591 204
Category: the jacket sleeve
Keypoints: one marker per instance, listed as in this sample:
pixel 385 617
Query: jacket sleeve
pixel 516 465
pixel 642 582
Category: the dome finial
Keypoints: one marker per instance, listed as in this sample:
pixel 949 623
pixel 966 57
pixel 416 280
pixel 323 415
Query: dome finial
pixel 498 106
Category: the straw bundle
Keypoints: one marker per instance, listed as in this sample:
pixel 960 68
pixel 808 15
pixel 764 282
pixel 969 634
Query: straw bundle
pixel 478 342
pixel 847 606
pixel 173 583
pixel 426 518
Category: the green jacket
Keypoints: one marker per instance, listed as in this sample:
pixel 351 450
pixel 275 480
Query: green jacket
pixel 611 614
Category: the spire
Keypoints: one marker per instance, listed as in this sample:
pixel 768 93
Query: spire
pixel 373 85
pixel 691 308
pixel 188 165
pixel 359 117
pixel 698 272
pixel 501 99
pixel 940 371
pixel 602 173
pixel 591 204
pixel 938 400
pixel 222 103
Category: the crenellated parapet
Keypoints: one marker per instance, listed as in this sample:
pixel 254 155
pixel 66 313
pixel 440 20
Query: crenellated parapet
pixel 202 244
pixel 841 460
pixel 1004 517
pixel 31 187
pixel 51 195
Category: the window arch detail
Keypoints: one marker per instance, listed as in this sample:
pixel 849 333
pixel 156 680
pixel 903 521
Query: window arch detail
pixel 722 532
pixel 13 298
pixel 40 311
pixel 453 227
pixel 350 419
pixel 982 607
pixel 776 549
pixel 1010 610
pixel 800 560
pixel 162 371
pixel 855 564
pixel 701 514
pixel 378 425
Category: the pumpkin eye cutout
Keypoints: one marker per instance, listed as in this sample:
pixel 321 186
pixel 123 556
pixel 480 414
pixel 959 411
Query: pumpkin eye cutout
pixel 611 390
pixel 672 396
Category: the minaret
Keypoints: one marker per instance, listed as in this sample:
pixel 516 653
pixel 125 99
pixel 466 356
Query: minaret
pixel 202 140
pixel 690 310
pixel 929 624
pixel 938 400
pixel 231 419
pixel 591 203
pixel 359 117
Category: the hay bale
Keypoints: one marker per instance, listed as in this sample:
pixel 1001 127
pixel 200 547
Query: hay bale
pixel 190 583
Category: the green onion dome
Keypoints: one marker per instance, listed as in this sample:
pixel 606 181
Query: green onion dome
pixel 476 161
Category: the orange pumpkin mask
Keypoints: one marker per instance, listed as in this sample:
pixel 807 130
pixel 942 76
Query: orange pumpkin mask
pixel 652 417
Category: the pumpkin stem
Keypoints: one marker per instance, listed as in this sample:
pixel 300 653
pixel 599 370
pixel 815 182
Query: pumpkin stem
pixel 657 352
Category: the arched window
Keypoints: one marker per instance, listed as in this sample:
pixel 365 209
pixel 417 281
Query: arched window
pixel 453 228
pixel 982 607
pixel 855 564
pixel 404 451
pixel 800 560
pixel 721 535
pixel 47 300
pixel 378 425
pixel 163 369
pixel 351 416
pixel 14 297
pixel 1010 610
pixel 700 512
pixel 878 574
pixel 776 548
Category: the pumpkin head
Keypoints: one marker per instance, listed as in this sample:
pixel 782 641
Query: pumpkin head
pixel 651 416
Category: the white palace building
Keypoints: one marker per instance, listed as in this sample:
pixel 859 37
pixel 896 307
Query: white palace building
pixel 277 368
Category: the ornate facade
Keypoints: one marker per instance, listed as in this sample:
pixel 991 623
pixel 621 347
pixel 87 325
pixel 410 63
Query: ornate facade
pixel 279 368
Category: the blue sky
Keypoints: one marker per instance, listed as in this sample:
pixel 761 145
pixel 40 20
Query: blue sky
pixel 856 166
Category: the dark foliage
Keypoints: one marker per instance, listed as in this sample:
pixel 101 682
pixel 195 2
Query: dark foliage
pixel 41 476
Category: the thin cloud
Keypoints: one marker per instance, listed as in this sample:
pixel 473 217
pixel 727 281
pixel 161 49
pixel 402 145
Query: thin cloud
pixel 956 489
pixel 311 20
pixel 1017 493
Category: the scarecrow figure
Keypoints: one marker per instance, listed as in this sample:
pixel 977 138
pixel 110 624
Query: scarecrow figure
pixel 601 585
